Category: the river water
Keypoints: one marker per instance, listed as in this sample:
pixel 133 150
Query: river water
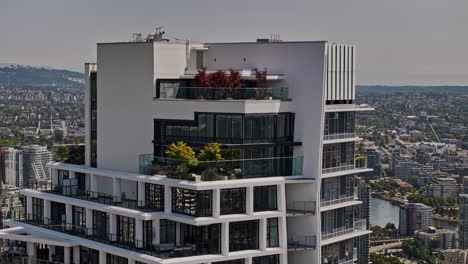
pixel 383 212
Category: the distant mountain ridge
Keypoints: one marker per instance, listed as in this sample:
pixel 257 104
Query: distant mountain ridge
pixel 27 76
pixel 383 89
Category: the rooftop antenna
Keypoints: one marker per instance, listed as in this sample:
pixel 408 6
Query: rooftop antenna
pixel 157 36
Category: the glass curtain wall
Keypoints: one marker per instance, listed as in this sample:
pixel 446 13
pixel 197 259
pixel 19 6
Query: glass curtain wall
pixel 265 198
pixel 243 235
pixel 233 201
pixel 192 203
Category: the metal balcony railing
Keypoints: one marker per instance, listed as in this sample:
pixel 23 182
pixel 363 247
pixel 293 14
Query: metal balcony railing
pixel 339 136
pixel 222 169
pixel 223 93
pixel 145 247
pixel 103 198
pixel 11 258
pixel 301 207
pixel 302 242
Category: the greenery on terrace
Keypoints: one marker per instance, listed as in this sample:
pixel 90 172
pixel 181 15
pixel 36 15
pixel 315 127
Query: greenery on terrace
pixel 205 162
pixel 389 231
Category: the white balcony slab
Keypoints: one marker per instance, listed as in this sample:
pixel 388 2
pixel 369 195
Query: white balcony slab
pixel 344 172
pixel 339 205
pixel 347 108
pixel 355 233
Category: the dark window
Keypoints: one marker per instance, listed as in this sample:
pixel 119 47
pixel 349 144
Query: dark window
pixel 79 219
pixel 243 235
pixel 93 117
pixel 338 155
pixel 154 196
pixel 272 232
pixel 190 202
pixel 233 261
pixel 126 229
pixel 265 198
pixel 168 231
pixel 114 259
pixel 271 259
pixel 37 208
pixel 206 239
pixel 62 175
pixel 57 212
pixel 100 224
pixel 233 201
pixel 89 255
pixel 148 234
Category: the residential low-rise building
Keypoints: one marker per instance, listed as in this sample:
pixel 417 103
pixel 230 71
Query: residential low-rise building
pixel 436 239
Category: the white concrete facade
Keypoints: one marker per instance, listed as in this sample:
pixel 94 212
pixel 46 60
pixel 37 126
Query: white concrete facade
pixel 319 77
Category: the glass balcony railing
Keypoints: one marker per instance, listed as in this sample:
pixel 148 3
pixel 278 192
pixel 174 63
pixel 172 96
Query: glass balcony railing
pixel 358 225
pixel 339 136
pixel 348 258
pixel 103 198
pixel 359 163
pixel 222 169
pixel 300 207
pixel 145 247
pixel 223 93
pixel 301 242
pixel 343 199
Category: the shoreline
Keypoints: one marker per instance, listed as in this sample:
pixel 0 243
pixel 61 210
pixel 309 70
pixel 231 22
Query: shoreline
pixel 400 202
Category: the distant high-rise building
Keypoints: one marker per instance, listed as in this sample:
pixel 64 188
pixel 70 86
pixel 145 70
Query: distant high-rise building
pixel 363 211
pixel 463 223
pixel 373 162
pixel 35 159
pixel 11 166
pixel 433 238
pixel 443 187
pixel 413 217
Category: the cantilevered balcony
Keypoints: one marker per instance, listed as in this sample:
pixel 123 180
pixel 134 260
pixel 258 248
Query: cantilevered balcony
pixel 340 201
pixel 360 165
pixel 341 233
pixel 296 208
pixel 296 243
pixel 169 250
pixel 348 258
pixel 223 93
pixel 221 170
pixel 97 197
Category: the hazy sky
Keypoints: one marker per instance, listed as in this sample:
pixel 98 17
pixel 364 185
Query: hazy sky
pixel 398 41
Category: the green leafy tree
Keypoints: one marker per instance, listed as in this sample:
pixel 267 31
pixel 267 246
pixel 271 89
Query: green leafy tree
pixel 62 153
pixel 211 152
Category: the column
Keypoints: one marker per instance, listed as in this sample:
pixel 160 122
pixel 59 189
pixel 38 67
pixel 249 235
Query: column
pixel 283 234
pixel 69 215
pixel 113 226
pixel 93 185
pixel 139 232
pixel 54 177
pixel 283 259
pixel 167 199
pixel 102 257
pixel 117 189
pixel 249 199
pixel 76 255
pixel 51 252
pixel 29 206
pixel 89 221
pixel 281 199
pixel 131 261
pixel 66 255
pixel 216 203
pixel 141 192
pixel 262 234
pixel 47 211
pixel 156 232
pixel 31 250
pixel 248 260
pixel 225 239
pixel 71 174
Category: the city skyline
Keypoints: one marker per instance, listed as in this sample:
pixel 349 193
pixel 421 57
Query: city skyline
pixel 394 48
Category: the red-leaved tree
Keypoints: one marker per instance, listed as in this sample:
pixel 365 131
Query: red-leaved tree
pixel 218 79
pixel 201 79
pixel 235 80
